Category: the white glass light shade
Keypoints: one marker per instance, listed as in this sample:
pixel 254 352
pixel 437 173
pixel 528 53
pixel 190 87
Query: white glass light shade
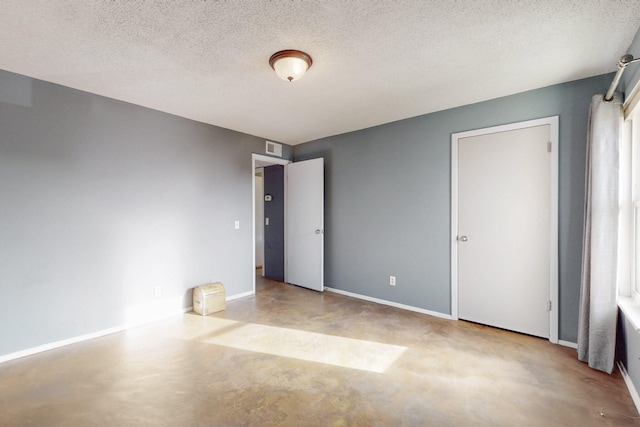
pixel 290 68
pixel 290 65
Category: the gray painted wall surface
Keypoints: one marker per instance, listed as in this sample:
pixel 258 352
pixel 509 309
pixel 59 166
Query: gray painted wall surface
pixel 387 208
pixel 274 232
pixel 631 75
pixel 102 201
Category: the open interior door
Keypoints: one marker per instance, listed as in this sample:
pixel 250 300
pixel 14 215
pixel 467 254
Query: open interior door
pixel 304 233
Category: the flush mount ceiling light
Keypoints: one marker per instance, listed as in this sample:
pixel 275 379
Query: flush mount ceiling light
pixel 290 64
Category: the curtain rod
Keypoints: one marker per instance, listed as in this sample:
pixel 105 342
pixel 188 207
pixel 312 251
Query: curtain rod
pixel 622 64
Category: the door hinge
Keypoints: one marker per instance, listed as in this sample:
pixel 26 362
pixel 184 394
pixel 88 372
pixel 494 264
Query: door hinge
pixel 548 305
pixel 549 146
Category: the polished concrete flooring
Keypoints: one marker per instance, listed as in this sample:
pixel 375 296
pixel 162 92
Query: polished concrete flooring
pixel 293 357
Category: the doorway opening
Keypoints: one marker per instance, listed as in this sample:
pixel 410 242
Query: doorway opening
pixel 260 161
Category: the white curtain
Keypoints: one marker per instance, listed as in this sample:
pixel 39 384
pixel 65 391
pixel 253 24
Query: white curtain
pixel 598 293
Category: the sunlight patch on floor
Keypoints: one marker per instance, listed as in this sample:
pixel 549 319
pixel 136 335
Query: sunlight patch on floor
pixel 310 346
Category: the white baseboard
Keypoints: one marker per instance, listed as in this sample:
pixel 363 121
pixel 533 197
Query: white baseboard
pixel 390 303
pixel 51 346
pixel 242 295
pixel 139 315
pixel 568 344
pixel 632 389
pixel 131 323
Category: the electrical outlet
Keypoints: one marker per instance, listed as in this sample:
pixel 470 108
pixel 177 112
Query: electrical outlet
pixel 158 291
pixel 392 280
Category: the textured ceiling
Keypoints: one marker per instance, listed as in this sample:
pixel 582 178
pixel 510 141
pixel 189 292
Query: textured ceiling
pixel 373 61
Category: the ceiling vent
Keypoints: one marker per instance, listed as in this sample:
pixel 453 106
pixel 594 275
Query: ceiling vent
pixel 274 149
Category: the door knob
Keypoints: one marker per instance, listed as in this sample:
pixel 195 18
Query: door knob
pixel 463 238
pixel 318 231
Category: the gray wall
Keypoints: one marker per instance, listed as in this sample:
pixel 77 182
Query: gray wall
pixel 387 205
pixel 102 201
pixel 274 231
pixel 631 75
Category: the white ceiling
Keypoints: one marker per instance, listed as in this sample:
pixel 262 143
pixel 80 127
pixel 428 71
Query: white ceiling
pixel 373 61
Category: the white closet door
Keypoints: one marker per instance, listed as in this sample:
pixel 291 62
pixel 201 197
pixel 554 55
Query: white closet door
pixel 504 220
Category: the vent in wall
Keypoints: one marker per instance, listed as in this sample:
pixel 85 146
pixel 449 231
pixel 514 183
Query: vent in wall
pixel 274 149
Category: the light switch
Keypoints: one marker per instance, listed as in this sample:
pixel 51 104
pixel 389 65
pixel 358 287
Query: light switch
pixel 266 221
pixel 237 225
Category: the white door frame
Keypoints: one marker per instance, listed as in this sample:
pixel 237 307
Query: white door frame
pixel 553 237
pixel 258 160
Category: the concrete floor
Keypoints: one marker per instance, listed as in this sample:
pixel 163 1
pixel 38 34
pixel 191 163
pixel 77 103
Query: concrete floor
pixel 293 357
